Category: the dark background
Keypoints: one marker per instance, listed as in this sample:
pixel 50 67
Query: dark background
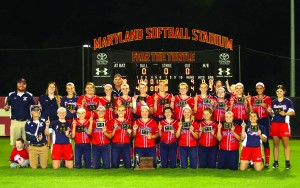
pixel 42 40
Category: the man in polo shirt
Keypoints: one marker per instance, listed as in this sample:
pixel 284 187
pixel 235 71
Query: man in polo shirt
pixel 117 85
pixel 19 102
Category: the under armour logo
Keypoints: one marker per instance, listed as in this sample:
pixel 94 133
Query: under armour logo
pixel 104 71
pixel 221 71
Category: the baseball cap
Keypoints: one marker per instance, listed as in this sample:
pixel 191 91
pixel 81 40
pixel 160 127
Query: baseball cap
pixel 35 107
pixel 21 80
pixel 117 75
pixel 260 84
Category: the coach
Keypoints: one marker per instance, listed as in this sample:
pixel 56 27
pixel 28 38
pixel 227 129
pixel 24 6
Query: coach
pixel 19 102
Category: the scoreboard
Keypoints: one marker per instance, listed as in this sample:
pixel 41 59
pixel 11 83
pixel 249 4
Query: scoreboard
pixel 175 67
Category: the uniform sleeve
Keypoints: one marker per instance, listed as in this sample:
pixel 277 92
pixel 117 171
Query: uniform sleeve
pixel 79 101
pixel 150 101
pixel 290 106
pixel 51 127
pixel 29 135
pixel 12 155
pixel 263 131
pixel 196 126
pixel 238 129
pixel 31 100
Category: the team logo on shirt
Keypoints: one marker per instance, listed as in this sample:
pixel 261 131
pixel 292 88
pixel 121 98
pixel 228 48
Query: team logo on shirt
pixel 24 98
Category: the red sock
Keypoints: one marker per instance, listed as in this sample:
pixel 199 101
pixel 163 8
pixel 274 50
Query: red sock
pixel 267 154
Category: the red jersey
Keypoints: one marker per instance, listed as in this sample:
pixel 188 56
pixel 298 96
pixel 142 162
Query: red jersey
pixel 178 105
pixel 98 137
pixel 229 142
pixel 262 112
pixel 109 114
pixel 219 111
pixel 93 102
pixel 121 135
pixel 160 105
pixel 167 137
pixel 148 101
pixel 81 136
pixel 126 102
pixel 145 128
pixel 207 139
pixel 186 138
pixel 18 155
pixel 202 104
pixel 239 110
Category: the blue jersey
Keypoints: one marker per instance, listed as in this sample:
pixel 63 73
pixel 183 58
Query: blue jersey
pixel 286 105
pixel 49 107
pixel 65 102
pixel 252 139
pixel 57 129
pixel 34 129
pixel 20 104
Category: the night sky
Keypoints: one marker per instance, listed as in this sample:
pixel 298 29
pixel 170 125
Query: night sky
pixel 63 27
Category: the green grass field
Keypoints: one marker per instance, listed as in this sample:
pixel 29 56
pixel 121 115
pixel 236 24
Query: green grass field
pixel 63 178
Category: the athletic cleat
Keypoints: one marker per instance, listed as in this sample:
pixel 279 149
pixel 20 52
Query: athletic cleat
pixel 275 165
pixel 267 165
pixel 288 166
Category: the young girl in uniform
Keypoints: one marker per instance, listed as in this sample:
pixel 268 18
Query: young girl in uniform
pixel 168 142
pixel 187 134
pixel 229 136
pixel 207 143
pixel 178 102
pixel 252 135
pixel 282 109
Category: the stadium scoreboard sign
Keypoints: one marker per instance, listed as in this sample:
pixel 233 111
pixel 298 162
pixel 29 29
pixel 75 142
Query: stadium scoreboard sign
pixel 192 67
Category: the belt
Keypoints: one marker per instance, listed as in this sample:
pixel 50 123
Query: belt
pixel 19 119
pixel 38 145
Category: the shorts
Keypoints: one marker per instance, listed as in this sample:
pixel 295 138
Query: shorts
pixel 62 152
pixel 280 129
pixel 251 153
pixel 17 130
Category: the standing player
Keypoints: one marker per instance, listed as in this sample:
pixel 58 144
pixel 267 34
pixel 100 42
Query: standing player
pixel 70 102
pixel 122 129
pixel 109 102
pixel 126 101
pixel 252 135
pixel 101 135
pixel 239 105
pixel 89 101
pixel 19 102
pixel 143 99
pixel 260 103
pixel 187 134
pixel 161 99
pixel 50 102
pixel 229 136
pixel 202 102
pixel 82 139
pixel 207 143
pixel 168 142
pixel 145 131
pixel 282 109
pixel 178 102
pixel 61 139
pixel 221 106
